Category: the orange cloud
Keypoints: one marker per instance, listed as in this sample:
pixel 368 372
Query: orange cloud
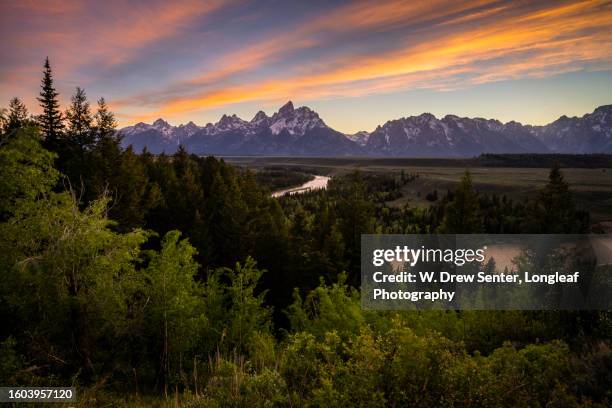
pixel 439 44
pixel 560 38
pixel 146 25
pixel 357 17
pixel 78 33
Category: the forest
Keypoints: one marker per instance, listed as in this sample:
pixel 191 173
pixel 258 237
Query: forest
pixel 177 280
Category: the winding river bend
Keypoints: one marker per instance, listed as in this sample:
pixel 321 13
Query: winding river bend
pixel 317 183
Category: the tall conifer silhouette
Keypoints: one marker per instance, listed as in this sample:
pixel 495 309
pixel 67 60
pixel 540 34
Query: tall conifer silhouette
pixel 51 120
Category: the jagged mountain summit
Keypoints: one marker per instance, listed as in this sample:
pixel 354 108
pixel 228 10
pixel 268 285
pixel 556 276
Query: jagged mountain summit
pixel 591 133
pixel 289 131
pixel 424 135
pixel 301 132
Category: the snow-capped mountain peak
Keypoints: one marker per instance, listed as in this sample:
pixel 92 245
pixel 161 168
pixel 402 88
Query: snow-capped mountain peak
pixel 164 127
pixel 286 109
pixel 189 129
pixel 231 123
pixel 260 118
pixel 295 121
pixel 159 123
pixel 139 127
pixel 300 131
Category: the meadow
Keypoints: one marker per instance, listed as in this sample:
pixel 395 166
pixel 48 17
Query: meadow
pixel 592 187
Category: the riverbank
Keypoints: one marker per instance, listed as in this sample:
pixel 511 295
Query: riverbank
pixel 319 182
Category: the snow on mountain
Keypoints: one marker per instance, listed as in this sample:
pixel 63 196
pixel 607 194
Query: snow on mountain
pixel 231 123
pixel 260 119
pixel 161 126
pixel 135 129
pixel 361 137
pixel 301 131
pixel 425 135
pixel 592 133
pixel 189 129
pixel 295 121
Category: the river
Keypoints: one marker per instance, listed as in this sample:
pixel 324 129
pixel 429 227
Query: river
pixel 317 183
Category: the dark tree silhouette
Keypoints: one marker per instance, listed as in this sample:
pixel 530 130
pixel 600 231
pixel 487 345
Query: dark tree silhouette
pixel 105 124
pixel 17 116
pixel 80 121
pixel 50 121
pixel 555 212
pixel 462 213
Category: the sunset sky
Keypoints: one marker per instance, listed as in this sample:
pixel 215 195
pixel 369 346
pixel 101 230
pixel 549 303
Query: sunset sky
pixel 357 63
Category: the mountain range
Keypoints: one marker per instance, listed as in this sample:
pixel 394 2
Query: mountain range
pixel 301 132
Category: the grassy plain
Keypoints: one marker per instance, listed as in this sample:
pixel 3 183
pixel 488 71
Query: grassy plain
pixel 592 186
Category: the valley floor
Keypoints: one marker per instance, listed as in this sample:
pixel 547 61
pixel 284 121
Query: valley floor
pixel 592 186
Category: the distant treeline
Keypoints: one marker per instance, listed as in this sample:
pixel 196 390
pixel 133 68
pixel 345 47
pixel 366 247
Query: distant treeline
pixel 532 160
pixel 587 161
pixel 278 178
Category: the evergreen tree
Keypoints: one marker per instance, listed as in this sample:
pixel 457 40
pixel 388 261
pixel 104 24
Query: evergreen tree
pixel 80 120
pixel 106 153
pixel 50 121
pixel 328 242
pixel 3 118
pixel 74 155
pixel 105 124
pixel 556 196
pixel 17 117
pixel 462 214
pixel 128 189
pixel 356 217
pixel 554 212
pixel 222 224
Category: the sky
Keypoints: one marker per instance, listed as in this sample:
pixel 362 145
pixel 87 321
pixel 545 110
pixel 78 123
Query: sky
pixel 357 63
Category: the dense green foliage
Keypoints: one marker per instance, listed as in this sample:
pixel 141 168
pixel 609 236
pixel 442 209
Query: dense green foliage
pixel 278 178
pixel 255 301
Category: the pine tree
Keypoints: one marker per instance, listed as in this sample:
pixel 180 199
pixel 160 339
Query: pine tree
pixel 555 211
pixel 128 186
pixel 556 193
pixel 80 132
pixel 356 217
pixel 50 121
pixel 75 154
pixel 17 116
pixel 222 222
pixel 3 116
pixel 462 214
pixel 105 123
pixel 106 155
